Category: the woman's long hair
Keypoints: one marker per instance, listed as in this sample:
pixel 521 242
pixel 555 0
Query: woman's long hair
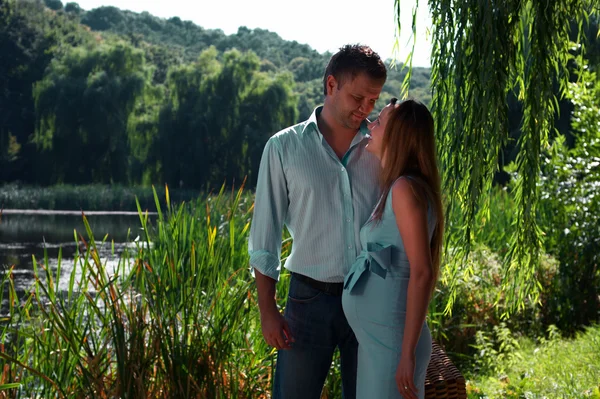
pixel 408 149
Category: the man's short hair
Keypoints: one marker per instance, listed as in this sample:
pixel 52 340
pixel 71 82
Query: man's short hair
pixel 351 60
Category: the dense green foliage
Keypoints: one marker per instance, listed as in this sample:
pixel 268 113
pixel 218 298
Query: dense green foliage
pixel 28 43
pixel 83 108
pixel 218 116
pixel 115 97
pixel 481 56
pixel 570 210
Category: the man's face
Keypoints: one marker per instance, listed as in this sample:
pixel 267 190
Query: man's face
pixel 354 100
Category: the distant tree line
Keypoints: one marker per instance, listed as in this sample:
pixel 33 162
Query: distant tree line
pixel 113 96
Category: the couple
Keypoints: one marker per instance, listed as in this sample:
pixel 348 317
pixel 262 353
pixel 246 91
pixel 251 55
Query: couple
pixel 366 218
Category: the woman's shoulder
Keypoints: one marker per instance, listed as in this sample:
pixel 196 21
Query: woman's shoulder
pixel 407 195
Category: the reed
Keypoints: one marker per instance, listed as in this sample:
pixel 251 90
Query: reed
pixel 176 318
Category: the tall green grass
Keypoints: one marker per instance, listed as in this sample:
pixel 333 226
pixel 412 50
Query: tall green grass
pixel 177 318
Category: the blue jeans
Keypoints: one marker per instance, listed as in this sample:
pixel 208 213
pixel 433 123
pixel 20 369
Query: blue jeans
pixel 318 324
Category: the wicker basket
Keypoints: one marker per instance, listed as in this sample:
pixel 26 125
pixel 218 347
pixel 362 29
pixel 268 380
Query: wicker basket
pixel 443 380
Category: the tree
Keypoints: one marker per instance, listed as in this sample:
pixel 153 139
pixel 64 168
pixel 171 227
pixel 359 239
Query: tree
pixel 570 209
pixel 103 18
pixel 218 113
pixel 83 109
pixel 310 95
pixel 54 4
pixel 483 50
pixel 143 135
pixel 30 36
pixel 73 8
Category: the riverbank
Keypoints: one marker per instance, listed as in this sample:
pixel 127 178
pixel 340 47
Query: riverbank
pixel 68 213
pixel 90 198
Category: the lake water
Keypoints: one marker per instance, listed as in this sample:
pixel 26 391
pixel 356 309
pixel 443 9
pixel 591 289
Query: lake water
pixel 24 234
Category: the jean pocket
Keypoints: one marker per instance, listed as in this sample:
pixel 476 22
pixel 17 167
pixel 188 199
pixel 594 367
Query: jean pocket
pixel 302 292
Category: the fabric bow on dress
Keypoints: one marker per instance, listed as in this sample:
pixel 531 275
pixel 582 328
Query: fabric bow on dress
pixel 373 259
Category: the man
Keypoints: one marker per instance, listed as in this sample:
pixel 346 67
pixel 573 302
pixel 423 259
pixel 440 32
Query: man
pixel 317 179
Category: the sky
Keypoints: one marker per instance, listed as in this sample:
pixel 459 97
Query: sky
pixel 335 23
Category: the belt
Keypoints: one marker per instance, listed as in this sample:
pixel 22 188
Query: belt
pixel 334 289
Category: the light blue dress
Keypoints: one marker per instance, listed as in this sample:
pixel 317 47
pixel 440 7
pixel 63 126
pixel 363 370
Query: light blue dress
pixel 374 302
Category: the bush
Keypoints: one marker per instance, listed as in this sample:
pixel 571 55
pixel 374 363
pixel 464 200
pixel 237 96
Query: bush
pixel 570 213
pixel 480 307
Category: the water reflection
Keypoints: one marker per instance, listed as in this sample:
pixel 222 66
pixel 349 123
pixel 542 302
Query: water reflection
pixel 58 227
pixel 23 236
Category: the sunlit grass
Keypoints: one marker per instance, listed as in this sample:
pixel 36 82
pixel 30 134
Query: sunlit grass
pixel 548 368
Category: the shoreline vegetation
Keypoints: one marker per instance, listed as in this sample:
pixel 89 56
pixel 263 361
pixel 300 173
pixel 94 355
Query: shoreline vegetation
pixel 34 212
pixel 179 318
pixel 89 198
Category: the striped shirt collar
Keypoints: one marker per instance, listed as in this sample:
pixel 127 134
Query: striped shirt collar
pixel 312 125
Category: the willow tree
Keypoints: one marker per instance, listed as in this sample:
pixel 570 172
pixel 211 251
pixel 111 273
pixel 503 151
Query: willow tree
pixel 482 51
pixel 219 113
pixel 84 109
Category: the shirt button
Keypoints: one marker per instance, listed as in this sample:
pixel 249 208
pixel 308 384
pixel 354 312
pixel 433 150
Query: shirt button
pixel 349 246
pixel 343 169
pixel 348 220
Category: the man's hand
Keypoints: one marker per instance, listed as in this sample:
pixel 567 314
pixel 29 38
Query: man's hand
pixel 275 329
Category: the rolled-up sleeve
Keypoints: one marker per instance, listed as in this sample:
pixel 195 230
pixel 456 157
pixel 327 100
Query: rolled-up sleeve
pixel 270 208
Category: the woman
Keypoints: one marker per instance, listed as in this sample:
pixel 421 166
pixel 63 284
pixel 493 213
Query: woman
pixel 388 288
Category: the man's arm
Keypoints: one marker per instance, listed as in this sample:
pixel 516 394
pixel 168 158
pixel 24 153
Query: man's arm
pixel 270 208
pixel 274 326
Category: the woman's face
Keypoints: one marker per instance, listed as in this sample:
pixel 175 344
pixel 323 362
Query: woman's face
pixel 377 128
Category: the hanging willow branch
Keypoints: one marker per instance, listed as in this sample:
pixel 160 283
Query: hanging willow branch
pixel 482 50
pixel 407 65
